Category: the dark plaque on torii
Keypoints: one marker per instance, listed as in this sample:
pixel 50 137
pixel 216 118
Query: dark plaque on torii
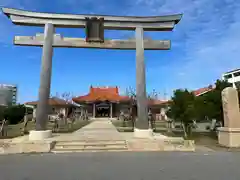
pixel 94 29
pixel 95 26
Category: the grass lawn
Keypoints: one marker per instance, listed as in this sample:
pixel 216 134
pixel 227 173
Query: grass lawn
pixel 201 138
pixel 16 130
pixel 206 139
pixel 123 126
pixel 128 126
pixel 196 136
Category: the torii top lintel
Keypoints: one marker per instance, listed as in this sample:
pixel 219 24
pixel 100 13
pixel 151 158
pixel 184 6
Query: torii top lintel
pixel 149 23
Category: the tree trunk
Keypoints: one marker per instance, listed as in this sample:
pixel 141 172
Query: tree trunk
pixel 3 128
pixel 184 130
pixel 189 132
pixel 169 129
pixel 24 131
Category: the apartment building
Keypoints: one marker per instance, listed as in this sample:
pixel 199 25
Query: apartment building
pixel 232 77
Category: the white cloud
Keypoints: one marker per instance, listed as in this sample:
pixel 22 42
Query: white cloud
pixel 208 34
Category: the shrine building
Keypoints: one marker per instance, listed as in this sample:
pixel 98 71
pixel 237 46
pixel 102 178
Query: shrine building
pixel 101 102
pixel 107 102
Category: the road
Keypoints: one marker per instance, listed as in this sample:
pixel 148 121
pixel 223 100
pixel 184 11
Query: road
pixel 121 165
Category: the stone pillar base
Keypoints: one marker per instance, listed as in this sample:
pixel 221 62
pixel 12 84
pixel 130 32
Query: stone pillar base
pixel 39 135
pixel 143 133
pixel 229 137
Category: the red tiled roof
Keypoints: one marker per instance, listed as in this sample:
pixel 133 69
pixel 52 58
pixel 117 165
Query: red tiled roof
pixel 54 101
pixel 101 94
pixel 157 102
pixel 202 91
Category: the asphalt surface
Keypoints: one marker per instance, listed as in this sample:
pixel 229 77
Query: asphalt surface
pixel 121 166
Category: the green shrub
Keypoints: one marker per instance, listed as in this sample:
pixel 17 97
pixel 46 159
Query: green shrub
pixel 14 114
pixel 2 112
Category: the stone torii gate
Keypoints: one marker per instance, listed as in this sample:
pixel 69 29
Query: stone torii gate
pixel 95 26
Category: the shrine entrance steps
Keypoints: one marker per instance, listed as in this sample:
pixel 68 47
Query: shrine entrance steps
pixel 100 135
pixel 89 146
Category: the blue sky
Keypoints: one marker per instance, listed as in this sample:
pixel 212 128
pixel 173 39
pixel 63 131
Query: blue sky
pixel 205 44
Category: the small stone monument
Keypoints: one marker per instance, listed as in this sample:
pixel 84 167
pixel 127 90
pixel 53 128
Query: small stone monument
pixel 229 135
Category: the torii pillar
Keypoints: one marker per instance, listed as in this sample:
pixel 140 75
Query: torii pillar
pixel 41 131
pixel 141 129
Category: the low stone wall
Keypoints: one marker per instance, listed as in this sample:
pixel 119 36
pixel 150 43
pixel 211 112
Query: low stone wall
pixel 175 144
pixel 27 147
pixel 132 145
pixel 183 145
pixel 143 145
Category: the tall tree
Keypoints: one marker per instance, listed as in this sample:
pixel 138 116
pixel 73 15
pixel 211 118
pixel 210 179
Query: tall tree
pixel 182 109
pixel 131 92
pixel 212 101
pixel 67 96
pixel 153 95
pixel 200 110
pixel 185 107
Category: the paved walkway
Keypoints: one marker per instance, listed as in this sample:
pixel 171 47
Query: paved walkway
pixel 99 129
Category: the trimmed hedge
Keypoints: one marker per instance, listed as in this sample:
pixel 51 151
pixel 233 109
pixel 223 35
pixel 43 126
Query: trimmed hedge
pixel 2 108
pixel 14 114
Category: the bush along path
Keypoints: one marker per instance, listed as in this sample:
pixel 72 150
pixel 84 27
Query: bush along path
pixel 15 130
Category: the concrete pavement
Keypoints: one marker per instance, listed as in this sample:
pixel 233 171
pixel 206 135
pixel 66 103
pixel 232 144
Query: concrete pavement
pixel 98 129
pixel 122 165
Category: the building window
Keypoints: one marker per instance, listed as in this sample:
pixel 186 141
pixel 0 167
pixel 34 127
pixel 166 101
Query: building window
pixel 236 74
pixel 228 76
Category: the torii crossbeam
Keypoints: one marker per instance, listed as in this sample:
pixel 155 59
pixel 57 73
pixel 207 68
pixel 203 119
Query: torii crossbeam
pixel 95 26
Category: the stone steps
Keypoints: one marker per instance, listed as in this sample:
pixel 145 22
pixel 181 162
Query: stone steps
pixel 90 143
pixel 90 146
pixel 82 151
